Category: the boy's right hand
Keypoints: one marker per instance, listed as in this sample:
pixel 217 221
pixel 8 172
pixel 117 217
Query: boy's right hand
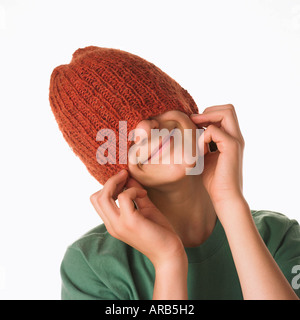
pixel 146 228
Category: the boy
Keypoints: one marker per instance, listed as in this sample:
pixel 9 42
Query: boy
pixel 175 235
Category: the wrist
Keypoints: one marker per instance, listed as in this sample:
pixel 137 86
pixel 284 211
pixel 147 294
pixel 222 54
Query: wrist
pixel 178 263
pixel 171 280
pixel 232 209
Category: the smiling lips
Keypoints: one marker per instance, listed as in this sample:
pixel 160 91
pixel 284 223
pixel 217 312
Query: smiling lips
pixel 165 142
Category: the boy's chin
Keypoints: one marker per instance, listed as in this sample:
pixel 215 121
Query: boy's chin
pixel 162 174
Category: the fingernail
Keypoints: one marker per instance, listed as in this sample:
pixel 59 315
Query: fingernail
pixel 122 172
pixel 193 115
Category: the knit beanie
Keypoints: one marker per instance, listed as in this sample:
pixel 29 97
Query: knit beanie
pixel 99 88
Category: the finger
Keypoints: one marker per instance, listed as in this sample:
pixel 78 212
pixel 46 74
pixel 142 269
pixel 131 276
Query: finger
pixel 222 139
pixel 222 107
pixel 218 108
pixel 147 208
pixel 105 201
pixel 96 201
pixel 200 122
pixel 143 202
pixel 115 184
pixel 223 117
pixel 126 199
pixel 212 109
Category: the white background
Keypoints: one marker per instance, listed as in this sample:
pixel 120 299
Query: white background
pixel 240 52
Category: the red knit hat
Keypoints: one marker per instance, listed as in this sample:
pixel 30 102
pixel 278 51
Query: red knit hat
pixel 102 86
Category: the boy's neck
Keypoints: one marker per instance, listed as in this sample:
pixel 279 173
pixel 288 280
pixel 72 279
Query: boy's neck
pixel 188 208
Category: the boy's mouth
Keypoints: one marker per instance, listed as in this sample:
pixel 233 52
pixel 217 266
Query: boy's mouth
pixel 164 142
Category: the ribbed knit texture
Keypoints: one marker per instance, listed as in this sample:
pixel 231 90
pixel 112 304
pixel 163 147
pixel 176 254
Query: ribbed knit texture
pixel 102 86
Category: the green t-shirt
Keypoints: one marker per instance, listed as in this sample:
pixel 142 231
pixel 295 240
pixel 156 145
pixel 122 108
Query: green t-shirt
pixel 99 266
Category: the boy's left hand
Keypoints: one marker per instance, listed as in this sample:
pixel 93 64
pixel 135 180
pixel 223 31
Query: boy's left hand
pixel 222 173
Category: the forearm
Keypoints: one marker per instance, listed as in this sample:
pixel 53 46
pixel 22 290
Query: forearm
pixel 259 275
pixel 171 280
